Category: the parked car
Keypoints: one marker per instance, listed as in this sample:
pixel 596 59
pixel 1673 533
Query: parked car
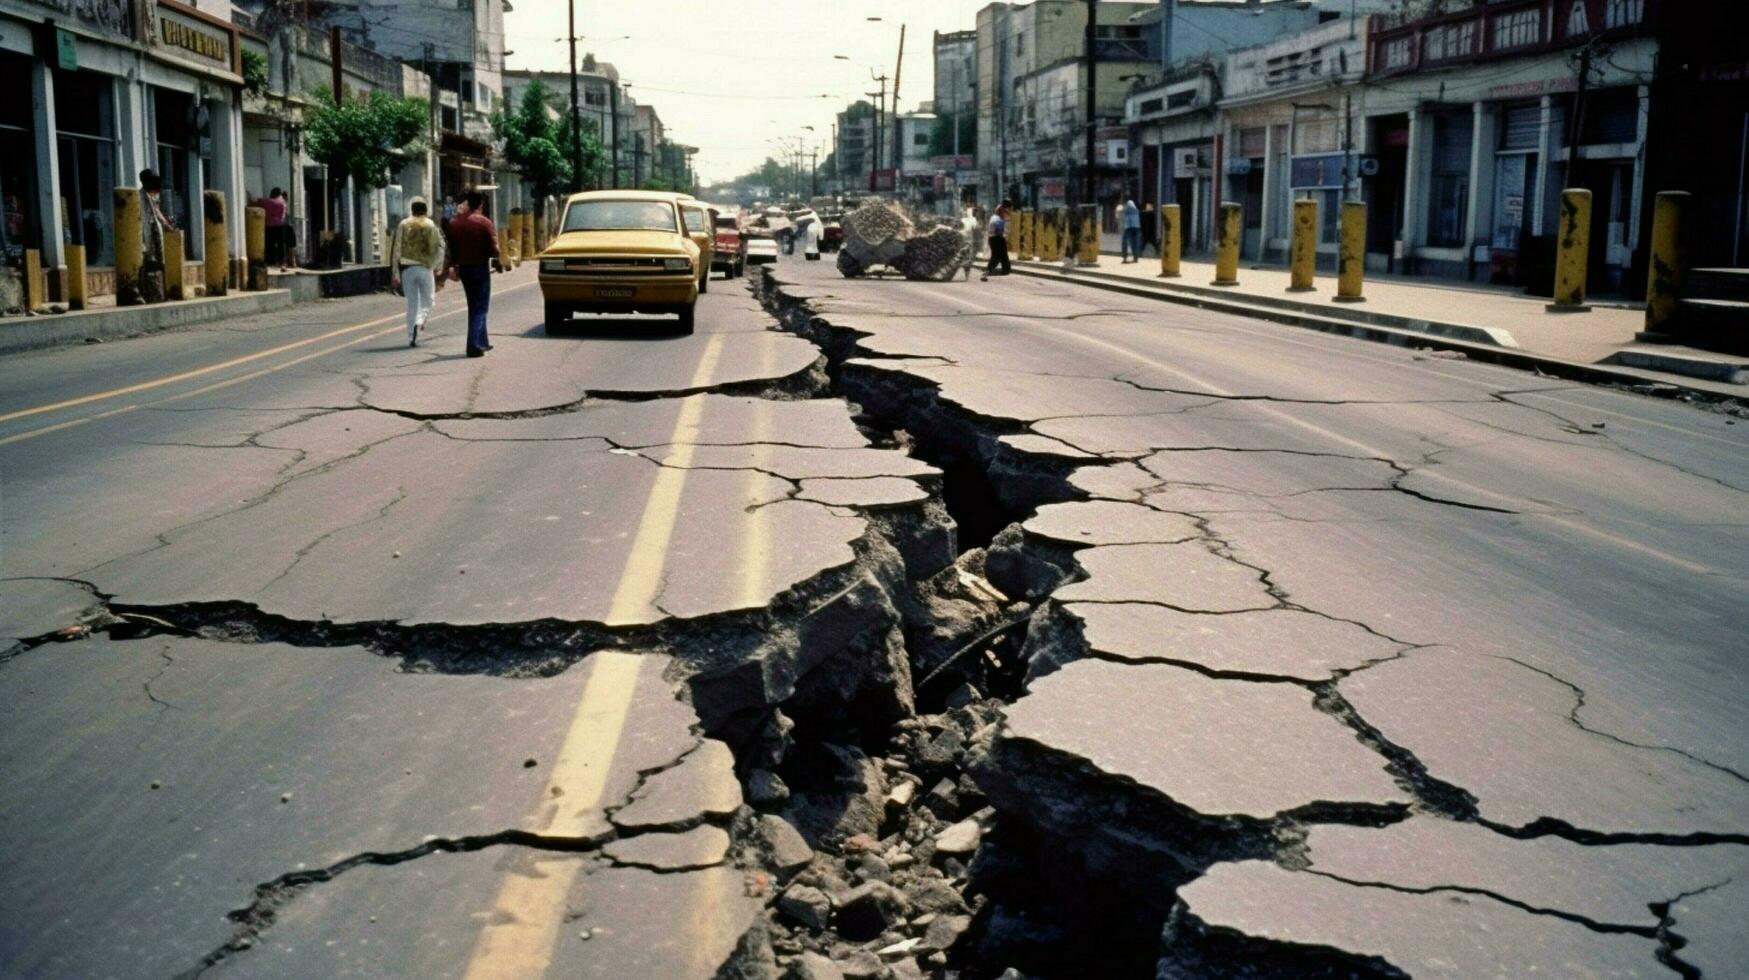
pixel 761 249
pixel 730 254
pixel 701 228
pixel 621 252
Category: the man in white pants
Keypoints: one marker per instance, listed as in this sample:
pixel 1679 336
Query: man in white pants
pixel 414 259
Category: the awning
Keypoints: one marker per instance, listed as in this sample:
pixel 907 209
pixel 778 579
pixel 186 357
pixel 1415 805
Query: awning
pixel 457 143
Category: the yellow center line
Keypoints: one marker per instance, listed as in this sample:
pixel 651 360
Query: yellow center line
pixel 211 368
pixel 520 933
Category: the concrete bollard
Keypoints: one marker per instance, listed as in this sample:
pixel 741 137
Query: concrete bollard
pixel 1227 245
pixel 1087 236
pixel 1171 241
pixel 1669 265
pixel 1022 229
pixel 78 290
pixel 129 246
pixel 1029 241
pixel 1303 249
pixel 33 280
pixel 255 248
pixel 218 246
pixel 1573 252
pixel 525 233
pixel 175 271
pixel 1351 253
pixel 1047 237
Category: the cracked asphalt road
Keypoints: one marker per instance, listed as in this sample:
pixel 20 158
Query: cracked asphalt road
pixel 326 657
pixel 1311 600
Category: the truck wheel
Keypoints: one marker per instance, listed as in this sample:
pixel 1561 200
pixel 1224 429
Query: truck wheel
pixel 557 317
pixel 686 320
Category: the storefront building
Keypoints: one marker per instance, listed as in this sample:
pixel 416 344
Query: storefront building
pixel 1477 120
pixel 1288 120
pixel 1174 124
pixel 113 88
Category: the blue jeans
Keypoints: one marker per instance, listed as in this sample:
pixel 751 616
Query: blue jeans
pixel 1132 242
pixel 477 284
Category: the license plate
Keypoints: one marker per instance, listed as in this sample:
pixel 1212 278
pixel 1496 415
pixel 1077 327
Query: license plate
pixel 614 292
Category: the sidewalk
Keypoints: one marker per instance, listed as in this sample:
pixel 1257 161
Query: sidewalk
pixel 1461 317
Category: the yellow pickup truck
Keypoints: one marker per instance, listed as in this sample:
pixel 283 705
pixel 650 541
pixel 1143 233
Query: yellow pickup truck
pixel 621 252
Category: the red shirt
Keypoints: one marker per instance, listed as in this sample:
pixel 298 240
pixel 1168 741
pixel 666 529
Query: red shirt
pixel 275 208
pixel 473 239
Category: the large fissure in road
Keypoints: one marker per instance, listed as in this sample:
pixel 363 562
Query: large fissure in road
pixel 1177 761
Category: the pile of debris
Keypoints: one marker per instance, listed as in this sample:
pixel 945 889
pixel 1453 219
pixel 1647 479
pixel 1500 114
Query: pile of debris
pixel 881 234
pixel 874 885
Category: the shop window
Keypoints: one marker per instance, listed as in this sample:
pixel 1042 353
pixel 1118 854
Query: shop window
pixel 1611 116
pixel 1252 141
pixel 1517 29
pixel 86 150
pixel 18 225
pixel 171 113
pixel 1523 127
pixel 1450 41
pixel 1622 13
pixel 1448 200
pixel 1514 182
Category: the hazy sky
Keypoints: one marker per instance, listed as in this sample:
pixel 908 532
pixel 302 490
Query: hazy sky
pixel 726 75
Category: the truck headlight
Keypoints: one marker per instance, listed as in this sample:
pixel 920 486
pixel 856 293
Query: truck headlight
pixel 552 265
pixel 677 265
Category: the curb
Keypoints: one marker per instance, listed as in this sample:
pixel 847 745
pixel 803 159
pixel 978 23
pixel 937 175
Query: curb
pixel 25 333
pixel 1457 331
pixel 1639 379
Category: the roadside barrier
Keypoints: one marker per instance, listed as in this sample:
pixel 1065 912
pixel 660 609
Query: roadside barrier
pixel 129 246
pixel 1573 255
pixel 1227 245
pixel 1171 241
pixel 1303 249
pixel 1351 254
pixel 1669 265
pixel 1087 235
pixel 175 273
pixel 218 248
pixel 77 290
pixel 255 248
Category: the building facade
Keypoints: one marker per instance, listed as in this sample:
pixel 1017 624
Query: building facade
pixel 99 91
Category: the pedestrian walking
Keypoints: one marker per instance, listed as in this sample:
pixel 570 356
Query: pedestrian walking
pixel 1131 249
pixel 154 224
pixel 274 206
pixel 998 264
pixel 414 260
pixel 972 229
pixel 473 244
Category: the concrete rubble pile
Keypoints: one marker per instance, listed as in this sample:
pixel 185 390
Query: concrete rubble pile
pixel 880 233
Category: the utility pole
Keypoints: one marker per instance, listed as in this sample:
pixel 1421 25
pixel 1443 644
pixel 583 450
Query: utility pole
pixel 898 72
pixel 576 115
pixel 874 156
pixel 814 172
pixel 637 159
pixel 1088 187
pixel 613 89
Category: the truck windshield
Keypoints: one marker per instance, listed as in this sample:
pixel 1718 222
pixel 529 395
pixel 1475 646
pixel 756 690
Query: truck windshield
pixel 619 216
pixel 728 222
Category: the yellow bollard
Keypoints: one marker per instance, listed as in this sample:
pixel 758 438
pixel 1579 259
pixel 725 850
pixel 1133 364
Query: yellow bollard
pixel 1303 249
pixel 1227 246
pixel 175 272
pixel 1030 242
pixel 1017 221
pixel 1351 253
pixel 1060 241
pixel 526 234
pixel 78 293
pixel 1087 242
pixel 129 246
pixel 1047 239
pixel 1573 252
pixel 255 247
pixel 218 249
pixel 33 279
pixel 1171 242
pixel 1669 266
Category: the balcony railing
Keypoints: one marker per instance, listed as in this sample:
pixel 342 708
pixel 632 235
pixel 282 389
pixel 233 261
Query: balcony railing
pixel 1495 30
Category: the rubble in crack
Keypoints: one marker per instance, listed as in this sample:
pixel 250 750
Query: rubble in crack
pixel 1213 766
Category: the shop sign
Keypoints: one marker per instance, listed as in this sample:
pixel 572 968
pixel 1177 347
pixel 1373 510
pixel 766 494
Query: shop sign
pixel 1547 86
pixel 192 39
pixel 1324 171
pixel 1051 194
pixel 962 162
pixel 66 50
pixel 101 16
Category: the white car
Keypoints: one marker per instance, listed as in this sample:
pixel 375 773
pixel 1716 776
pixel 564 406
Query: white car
pixel 761 250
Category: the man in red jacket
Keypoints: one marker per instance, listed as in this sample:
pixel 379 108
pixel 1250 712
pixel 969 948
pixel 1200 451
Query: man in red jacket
pixel 473 244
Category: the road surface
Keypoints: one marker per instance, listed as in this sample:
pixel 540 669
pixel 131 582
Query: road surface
pixel 331 657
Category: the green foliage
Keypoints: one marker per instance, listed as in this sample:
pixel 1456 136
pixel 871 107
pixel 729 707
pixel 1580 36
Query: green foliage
pixel 860 109
pixel 537 142
pixel 941 136
pixel 356 136
pixel 254 72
